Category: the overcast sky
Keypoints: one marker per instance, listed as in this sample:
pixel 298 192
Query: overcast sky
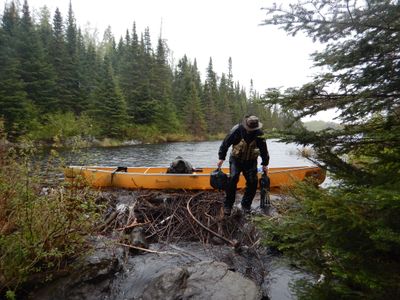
pixel 202 29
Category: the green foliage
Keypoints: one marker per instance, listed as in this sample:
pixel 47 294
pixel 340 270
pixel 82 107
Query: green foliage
pixel 349 232
pixel 38 233
pixel 49 67
pixel 349 235
pixel 63 127
pixel 144 133
pixel 210 98
pixel 10 295
pixel 108 107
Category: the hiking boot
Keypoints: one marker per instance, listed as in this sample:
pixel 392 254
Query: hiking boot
pixel 227 211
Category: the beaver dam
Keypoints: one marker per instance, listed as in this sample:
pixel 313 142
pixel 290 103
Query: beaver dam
pixel 169 245
pixel 180 217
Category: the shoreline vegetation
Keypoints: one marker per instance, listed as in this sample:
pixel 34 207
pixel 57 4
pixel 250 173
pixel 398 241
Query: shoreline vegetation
pixel 88 142
pixel 43 225
pixel 69 131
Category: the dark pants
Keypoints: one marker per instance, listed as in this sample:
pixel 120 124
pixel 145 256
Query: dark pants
pixel 249 169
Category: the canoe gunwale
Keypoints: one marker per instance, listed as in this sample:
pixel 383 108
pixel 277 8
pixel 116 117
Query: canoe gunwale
pixel 96 169
pixel 157 178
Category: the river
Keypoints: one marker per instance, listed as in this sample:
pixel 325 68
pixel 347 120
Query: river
pixel 200 154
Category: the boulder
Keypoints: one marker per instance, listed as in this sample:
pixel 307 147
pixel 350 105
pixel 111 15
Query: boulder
pixel 202 280
pixel 89 279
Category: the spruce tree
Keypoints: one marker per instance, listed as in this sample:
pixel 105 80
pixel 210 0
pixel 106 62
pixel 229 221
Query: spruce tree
pixel 147 107
pixel 194 119
pixel 348 232
pixel 241 103
pixel 108 107
pixel 37 74
pixel 181 84
pixel 210 99
pixel 133 75
pixel 15 107
pixel 225 117
pixel 89 68
pixel 72 75
pixel 44 30
pixel 128 71
pixel 166 118
pixel 107 46
pixel 237 99
pixel 59 56
pixel 187 97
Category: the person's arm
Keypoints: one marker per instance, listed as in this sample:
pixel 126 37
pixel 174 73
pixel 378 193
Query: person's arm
pixel 262 145
pixel 226 143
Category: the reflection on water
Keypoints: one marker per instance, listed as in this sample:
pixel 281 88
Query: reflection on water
pixel 281 279
pixel 200 154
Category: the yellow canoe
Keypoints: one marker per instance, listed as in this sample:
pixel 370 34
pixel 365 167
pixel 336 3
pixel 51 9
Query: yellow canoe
pixel 157 178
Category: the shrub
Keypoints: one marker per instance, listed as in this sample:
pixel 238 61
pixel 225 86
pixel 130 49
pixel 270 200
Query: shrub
pixel 40 230
pixel 64 126
pixel 351 236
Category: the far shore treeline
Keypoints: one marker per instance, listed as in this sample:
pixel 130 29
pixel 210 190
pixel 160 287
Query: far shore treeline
pixel 57 80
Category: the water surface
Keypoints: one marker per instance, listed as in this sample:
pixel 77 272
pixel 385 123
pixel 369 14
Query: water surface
pixel 200 154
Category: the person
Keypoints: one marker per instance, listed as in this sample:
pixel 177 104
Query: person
pixel 247 143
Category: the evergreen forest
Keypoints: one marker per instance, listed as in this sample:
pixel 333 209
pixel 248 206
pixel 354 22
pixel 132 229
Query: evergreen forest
pixel 58 80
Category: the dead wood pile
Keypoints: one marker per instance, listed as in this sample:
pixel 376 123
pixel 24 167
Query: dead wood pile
pixel 172 217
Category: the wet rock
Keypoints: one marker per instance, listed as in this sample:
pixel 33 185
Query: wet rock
pixel 138 238
pixel 203 280
pixel 134 237
pixel 90 279
pixel 169 285
pixel 213 280
pixel 152 279
pixel 187 274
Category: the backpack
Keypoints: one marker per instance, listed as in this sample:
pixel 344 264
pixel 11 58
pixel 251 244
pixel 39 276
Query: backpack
pixel 218 179
pixel 180 166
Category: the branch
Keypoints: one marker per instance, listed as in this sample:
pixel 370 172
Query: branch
pixel 147 250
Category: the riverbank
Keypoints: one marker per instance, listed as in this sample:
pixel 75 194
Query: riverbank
pixel 177 259
pixel 78 142
pixel 64 200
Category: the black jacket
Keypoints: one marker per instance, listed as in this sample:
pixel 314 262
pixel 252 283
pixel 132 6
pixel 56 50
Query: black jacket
pixel 238 132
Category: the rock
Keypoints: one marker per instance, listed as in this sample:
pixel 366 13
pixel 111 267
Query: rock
pixel 90 280
pixel 138 238
pixel 203 280
pixel 169 285
pixel 105 274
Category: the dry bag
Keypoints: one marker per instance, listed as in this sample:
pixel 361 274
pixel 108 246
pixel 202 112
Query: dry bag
pixel 218 179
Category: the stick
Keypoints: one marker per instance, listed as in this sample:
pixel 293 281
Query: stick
pixel 232 243
pixel 147 250
pixel 132 225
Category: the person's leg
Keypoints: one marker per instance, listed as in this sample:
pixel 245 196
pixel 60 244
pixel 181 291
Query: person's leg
pixel 234 174
pixel 250 173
